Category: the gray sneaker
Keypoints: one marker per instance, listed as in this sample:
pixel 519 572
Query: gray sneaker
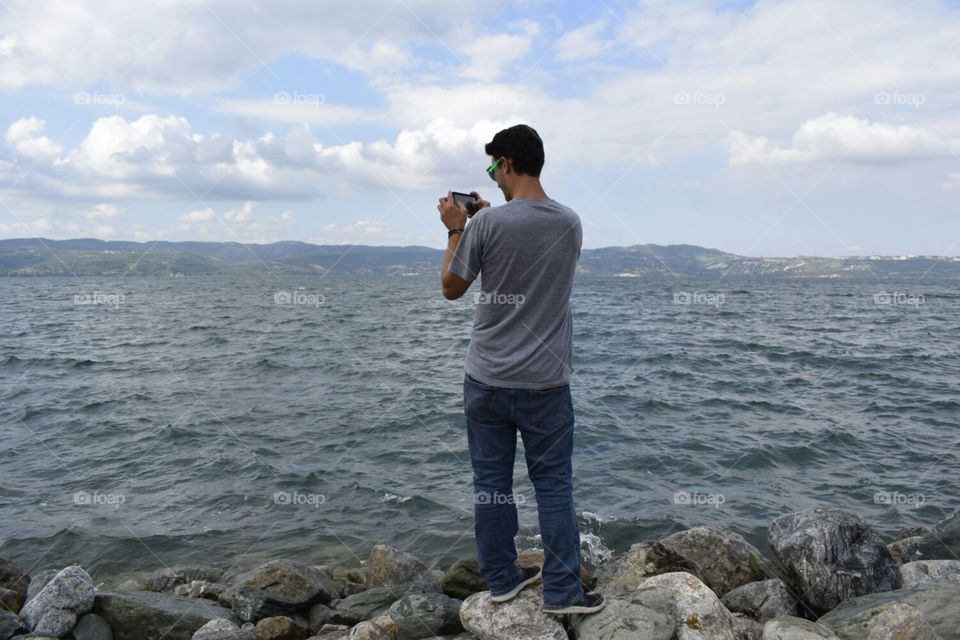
pixel 529 576
pixel 590 603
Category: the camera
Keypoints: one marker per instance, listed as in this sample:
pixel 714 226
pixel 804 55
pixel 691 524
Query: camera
pixel 467 201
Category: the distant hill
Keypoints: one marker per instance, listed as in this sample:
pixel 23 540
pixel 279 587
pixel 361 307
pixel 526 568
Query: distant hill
pixel 87 256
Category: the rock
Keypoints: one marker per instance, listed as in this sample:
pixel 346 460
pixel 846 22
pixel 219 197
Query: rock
pixel 698 612
pixel 39 580
pixel 11 600
pixel 365 605
pixel 55 609
pixel 644 559
pixel 11 625
pixel 332 632
pixel 422 615
pixel 14 580
pixel 746 628
pixel 319 615
pixel 223 630
pixel 294 582
pixel 790 628
pixel 625 617
pixel 518 619
pixel 912 532
pixel 280 628
pixel 927 571
pixel 761 600
pixel 463 579
pixel 166 579
pixel 367 630
pixel 832 555
pixel 388 566
pixel 724 559
pixel 938 603
pixel 252 604
pixel 888 621
pixel 200 589
pixel 147 615
pixel 940 543
pixel 92 627
pixel 904 546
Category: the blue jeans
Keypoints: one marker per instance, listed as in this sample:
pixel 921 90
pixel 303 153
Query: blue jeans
pixel 545 421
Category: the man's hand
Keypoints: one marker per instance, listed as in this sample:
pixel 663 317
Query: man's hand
pixel 452 215
pixel 481 203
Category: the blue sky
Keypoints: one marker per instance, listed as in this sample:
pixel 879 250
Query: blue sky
pixel 762 128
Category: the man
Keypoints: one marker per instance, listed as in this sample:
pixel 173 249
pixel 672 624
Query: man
pixel 518 368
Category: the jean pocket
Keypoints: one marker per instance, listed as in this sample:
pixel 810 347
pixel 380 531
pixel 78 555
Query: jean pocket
pixel 476 383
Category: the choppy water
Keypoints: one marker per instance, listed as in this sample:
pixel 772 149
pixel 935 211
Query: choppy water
pixel 182 406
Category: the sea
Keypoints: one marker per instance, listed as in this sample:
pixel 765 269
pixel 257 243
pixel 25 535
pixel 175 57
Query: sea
pixel 156 421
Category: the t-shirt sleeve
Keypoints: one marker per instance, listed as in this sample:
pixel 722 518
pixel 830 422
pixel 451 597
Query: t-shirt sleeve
pixel 465 262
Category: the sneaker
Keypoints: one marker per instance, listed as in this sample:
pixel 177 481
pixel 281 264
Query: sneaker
pixel 529 576
pixel 590 603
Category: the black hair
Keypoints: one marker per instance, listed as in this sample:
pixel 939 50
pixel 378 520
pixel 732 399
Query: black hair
pixel 522 144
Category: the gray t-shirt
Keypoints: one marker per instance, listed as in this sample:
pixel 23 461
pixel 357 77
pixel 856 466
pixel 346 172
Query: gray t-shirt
pixel 526 253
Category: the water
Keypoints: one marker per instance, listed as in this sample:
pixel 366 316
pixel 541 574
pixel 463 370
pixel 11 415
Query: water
pixel 182 406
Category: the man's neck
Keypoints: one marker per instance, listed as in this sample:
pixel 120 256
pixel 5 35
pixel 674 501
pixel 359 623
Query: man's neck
pixel 530 191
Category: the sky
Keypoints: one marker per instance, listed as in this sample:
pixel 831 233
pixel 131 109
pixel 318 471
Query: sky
pixel 802 127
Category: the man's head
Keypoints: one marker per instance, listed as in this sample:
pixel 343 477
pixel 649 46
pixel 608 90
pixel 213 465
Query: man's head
pixel 519 151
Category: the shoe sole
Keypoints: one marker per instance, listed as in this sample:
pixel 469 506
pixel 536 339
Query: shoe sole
pixel 575 609
pixel 517 589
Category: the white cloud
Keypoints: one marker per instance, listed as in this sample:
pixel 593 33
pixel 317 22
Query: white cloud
pixel 489 54
pixel 240 224
pixel 583 43
pixel 832 136
pixel 24 136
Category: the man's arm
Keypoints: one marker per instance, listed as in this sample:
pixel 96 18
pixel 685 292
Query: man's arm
pixel 453 286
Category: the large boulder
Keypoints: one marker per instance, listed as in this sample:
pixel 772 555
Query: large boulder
pixel 761 600
pixel 832 555
pixel 55 609
pixel 15 581
pixel 11 625
pixel 626 616
pixel 90 626
pixel 147 615
pixel 940 543
pixel 289 581
pixel 724 559
pixel 938 603
pixel 424 615
pixel 626 572
pixel 463 579
pixel 167 579
pixel 790 628
pixel 388 566
pixel 221 629
pixel 521 618
pixel 890 620
pixel 697 611
pixel 252 604
pixel 280 628
pixel 364 605
pixel 927 571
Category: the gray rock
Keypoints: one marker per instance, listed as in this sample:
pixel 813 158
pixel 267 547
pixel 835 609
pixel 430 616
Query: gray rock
pixel 319 615
pixel 92 627
pixel 200 589
pixel 166 579
pixel 369 630
pixel 332 632
pixel 746 628
pixel 521 618
pixel 926 571
pixel 648 558
pixel 939 604
pixel 55 609
pixel 280 628
pixel 39 580
pixel 724 559
pixel 790 628
pixel 11 600
pixel 761 600
pixel 422 615
pixel 697 611
pixel 252 605
pixel 626 616
pixel 223 630
pixel 903 546
pixel 891 620
pixel 941 543
pixel 388 566
pixel 288 581
pixel 365 605
pixel 832 555
pixel 147 615
pixel 15 580
pixel 463 579
pixel 10 625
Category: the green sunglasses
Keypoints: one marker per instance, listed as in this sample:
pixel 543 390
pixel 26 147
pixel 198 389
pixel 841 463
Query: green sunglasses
pixel 493 166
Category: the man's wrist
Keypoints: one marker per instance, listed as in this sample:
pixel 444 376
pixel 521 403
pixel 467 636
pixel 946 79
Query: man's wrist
pixel 455 230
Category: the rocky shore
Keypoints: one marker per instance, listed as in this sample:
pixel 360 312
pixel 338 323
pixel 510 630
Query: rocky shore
pixel 832 577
